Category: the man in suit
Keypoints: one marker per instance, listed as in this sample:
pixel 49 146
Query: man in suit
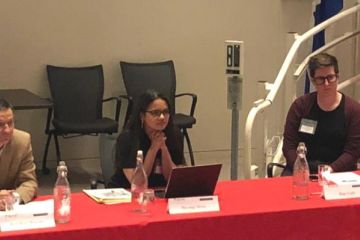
pixel 17 167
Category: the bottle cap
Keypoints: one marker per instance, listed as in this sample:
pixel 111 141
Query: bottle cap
pixel 302 147
pixel 61 166
pixel 139 152
pixel 139 156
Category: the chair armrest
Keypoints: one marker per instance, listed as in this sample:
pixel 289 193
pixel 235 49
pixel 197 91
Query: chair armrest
pixel 118 106
pixel 126 97
pixel 129 107
pixel 270 167
pixel 193 103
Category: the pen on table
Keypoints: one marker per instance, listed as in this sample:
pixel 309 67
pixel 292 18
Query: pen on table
pixel 40 214
pixel 206 198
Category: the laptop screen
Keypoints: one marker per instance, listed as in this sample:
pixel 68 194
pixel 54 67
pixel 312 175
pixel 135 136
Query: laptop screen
pixel 192 181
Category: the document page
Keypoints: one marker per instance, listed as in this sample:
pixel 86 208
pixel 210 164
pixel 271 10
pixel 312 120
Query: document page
pixel 109 195
pixel 37 214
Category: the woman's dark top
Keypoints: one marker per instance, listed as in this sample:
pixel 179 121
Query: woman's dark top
pixel 128 143
pixel 336 140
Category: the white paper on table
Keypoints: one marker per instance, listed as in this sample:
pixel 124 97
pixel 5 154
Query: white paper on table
pixel 37 214
pixel 193 204
pixel 344 178
pixel 109 193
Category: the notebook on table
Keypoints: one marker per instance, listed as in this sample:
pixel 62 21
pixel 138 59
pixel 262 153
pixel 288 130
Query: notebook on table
pixel 192 181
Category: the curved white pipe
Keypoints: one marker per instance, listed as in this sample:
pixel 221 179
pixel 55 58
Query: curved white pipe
pixel 338 40
pixel 301 38
pixel 348 82
pixel 248 129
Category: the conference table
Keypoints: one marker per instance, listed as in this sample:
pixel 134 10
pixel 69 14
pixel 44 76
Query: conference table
pixel 23 99
pixel 249 209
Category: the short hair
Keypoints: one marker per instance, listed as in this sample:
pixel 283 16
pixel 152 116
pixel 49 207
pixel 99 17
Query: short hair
pixel 4 104
pixel 322 60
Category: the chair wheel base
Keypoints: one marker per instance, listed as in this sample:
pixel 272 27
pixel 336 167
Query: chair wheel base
pixel 45 171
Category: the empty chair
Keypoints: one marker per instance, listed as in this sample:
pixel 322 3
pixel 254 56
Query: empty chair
pixel 77 95
pixel 160 76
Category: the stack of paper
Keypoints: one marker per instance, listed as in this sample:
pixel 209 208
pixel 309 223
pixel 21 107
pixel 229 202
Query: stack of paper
pixel 109 195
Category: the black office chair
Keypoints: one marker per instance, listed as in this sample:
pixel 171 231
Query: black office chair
pixel 270 168
pixel 160 76
pixel 77 95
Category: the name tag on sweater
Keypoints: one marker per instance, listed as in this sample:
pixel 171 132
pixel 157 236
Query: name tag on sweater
pixel 307 126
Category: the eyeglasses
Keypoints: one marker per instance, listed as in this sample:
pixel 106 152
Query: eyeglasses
pixel 157 113
pixel 4 124
pixel 321 79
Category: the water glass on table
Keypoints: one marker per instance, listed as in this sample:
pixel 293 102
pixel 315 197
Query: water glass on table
pixel 147 199
pixel 11 202
pixel 323 171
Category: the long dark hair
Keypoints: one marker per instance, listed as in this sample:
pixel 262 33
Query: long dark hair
pixel 141 106
pixel 174 138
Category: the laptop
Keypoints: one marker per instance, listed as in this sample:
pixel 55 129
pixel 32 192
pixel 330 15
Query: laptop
pixel 192 181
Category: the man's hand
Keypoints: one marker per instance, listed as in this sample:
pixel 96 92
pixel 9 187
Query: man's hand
pixel 3 195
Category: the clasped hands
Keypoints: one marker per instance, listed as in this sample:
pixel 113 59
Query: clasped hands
pixel 158 139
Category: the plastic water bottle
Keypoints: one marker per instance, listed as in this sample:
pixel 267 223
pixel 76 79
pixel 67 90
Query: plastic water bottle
pixel 139 181
pixel 301 174
pixel 62 195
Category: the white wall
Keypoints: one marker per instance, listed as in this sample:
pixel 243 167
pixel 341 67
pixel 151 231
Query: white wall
pixel 192 33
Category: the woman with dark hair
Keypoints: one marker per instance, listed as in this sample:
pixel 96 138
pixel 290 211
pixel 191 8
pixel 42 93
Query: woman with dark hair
pixel 150 129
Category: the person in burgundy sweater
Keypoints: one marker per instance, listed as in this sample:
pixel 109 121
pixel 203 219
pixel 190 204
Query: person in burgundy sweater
pixel 327 121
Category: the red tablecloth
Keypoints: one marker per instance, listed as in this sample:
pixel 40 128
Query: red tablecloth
pixel 251 209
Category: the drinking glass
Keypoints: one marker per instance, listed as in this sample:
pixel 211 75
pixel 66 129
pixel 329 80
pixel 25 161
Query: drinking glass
pixel 323 170
pixel 147 199
pixel 11 202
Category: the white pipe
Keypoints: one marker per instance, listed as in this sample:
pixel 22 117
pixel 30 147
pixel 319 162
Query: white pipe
pixel 298 42
pixel 348 82
pixel 278 153
pixel 248 129
pixel 356 42
pixel 279 79
pixel 338 40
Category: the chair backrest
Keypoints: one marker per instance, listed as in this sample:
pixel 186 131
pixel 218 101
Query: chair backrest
pixel 160 76
pixel 76 92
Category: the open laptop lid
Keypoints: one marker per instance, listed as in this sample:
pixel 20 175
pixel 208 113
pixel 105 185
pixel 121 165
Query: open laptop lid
pixel 192 181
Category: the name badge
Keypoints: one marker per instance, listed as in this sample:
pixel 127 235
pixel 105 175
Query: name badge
pixel 307 126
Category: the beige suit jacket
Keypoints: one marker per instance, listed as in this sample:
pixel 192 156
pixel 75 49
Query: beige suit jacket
pixel 17 167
